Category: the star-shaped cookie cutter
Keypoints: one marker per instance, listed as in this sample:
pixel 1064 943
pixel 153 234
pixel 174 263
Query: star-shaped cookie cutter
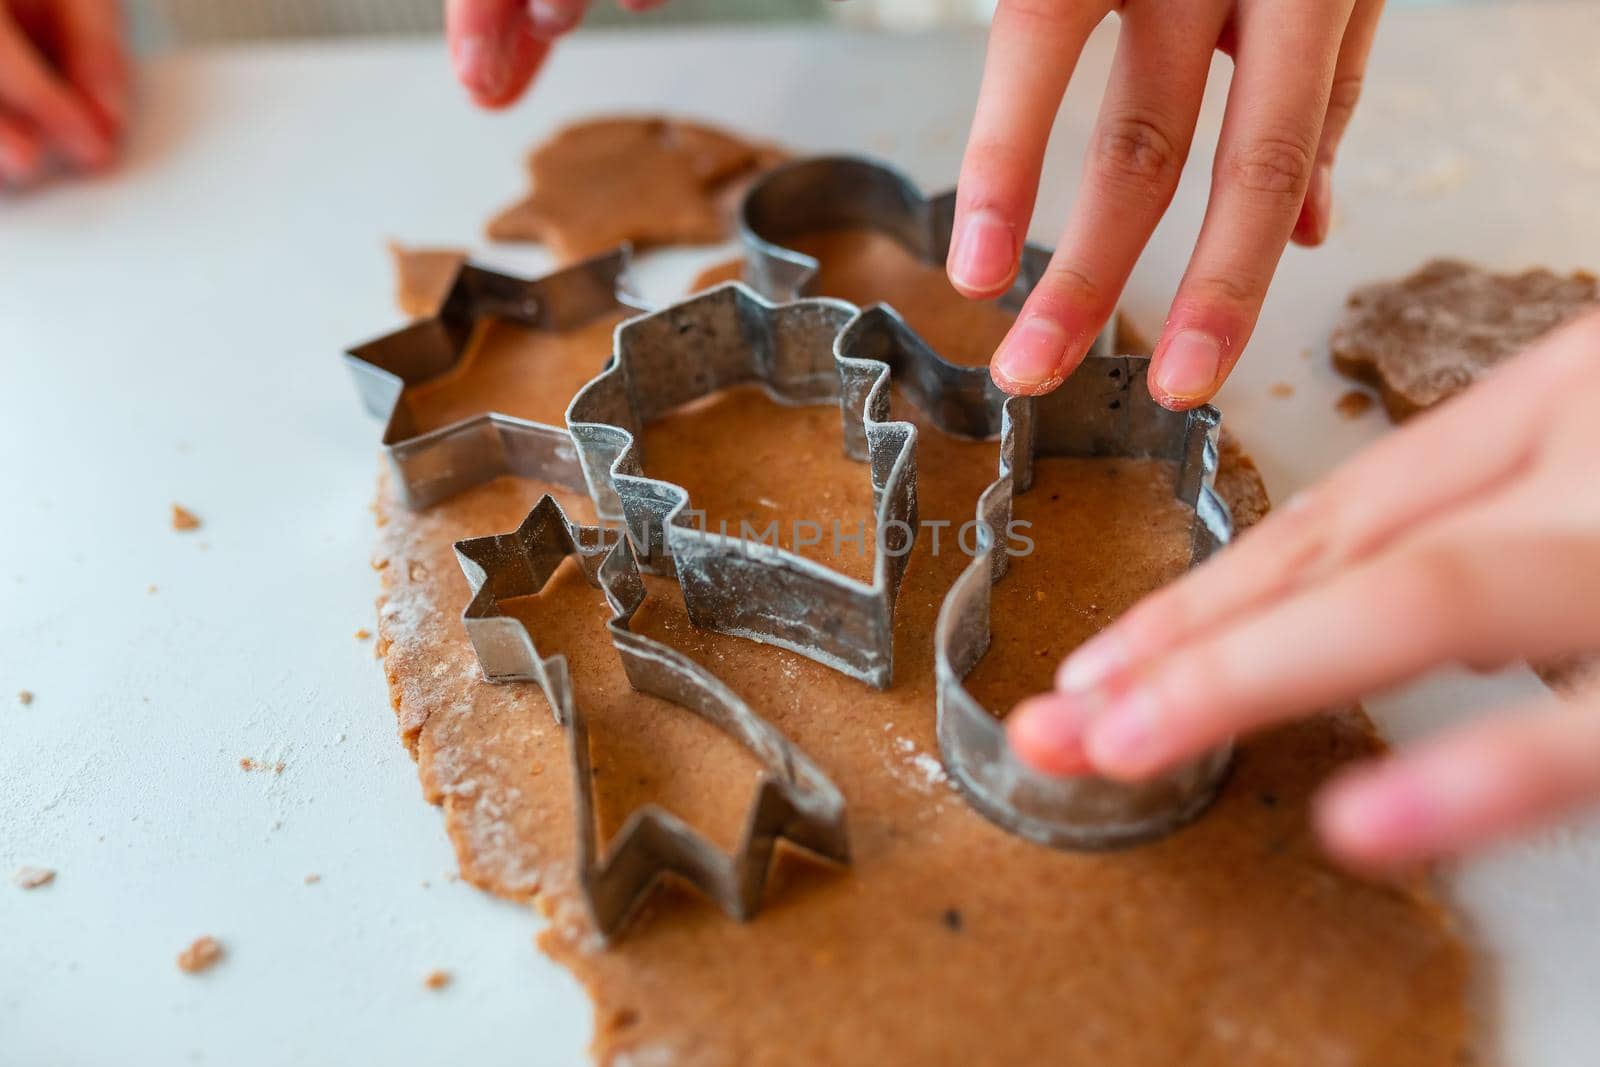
pixel 794 800
pixel 728 336
pixel 1103 409
pixel 431 466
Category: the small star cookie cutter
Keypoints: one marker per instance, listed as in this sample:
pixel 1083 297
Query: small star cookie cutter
pixel 431 466
pixel 728 336
pixel 794 801
pixel 1103 409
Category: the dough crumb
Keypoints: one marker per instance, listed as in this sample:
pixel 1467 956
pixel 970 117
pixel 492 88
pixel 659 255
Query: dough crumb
pixel 436 980
pixel 204 954
pixel 24 697
pixel 151 589
pixel 313 879
pixel 32 877
pixel 1281 390
pixel 1353 404
pixel 184 519
pixel 363 634
pixel 249 765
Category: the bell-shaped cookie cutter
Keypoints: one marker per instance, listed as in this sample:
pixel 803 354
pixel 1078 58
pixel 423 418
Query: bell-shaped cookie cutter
pixel 822 193
pixel 794 800
pixel 732 584
pixel 431 466
pixel 1103 409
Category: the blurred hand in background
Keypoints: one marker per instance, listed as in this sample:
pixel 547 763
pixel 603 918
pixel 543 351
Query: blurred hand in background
pixel 498 46
pixel 64 87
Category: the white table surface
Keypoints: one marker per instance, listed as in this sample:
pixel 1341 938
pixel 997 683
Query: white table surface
pixel 172 334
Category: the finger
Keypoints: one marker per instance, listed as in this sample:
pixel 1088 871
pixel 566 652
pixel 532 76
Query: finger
pixel 1439 462
pixel 1469 590
pixel 21 154
pixel 1473 786
pixel 1276 104
pixel 1046 733
pixel 94 58
pixel 637 6
pixel 32 91
pixel 1032 49
pixel 1316 213
pixel 493 48
pixel 1140 143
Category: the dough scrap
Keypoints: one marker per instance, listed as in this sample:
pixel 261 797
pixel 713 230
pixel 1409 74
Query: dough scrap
pixel 648 180
pixel 1424 338
pixel 202 955
pixel 32 877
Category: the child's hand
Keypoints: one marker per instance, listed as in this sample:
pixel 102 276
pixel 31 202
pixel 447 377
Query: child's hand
pixel 1471 534
pixel 63 86
pixel 1298 71
pixel 497 46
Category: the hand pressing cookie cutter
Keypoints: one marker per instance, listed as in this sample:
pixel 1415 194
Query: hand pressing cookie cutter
pixel 432 466
pixel 824 193
pixel 743 586
pixel 794 801
pixel 1104 409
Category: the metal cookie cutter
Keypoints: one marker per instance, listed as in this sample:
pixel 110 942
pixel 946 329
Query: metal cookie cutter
pixel 794 800
pixel 1103 409
pixel 739 585
pixel 825 193
pixel 429 467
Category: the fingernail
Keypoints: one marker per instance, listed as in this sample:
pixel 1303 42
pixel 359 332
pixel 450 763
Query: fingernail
pixel 1322 200
pixel 1092 663
pixel 1029 360
pixel 984 254
pixel 1046 733
pixel 550 19
pixel 1121 742
pixel 1187 368
pixel 1373 816
pixel 481 64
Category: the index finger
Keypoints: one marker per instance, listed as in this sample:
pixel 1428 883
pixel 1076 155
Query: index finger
pixel 1032 50
pixel 494 48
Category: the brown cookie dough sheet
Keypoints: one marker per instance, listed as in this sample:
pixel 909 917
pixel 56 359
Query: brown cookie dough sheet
pixel 948 941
